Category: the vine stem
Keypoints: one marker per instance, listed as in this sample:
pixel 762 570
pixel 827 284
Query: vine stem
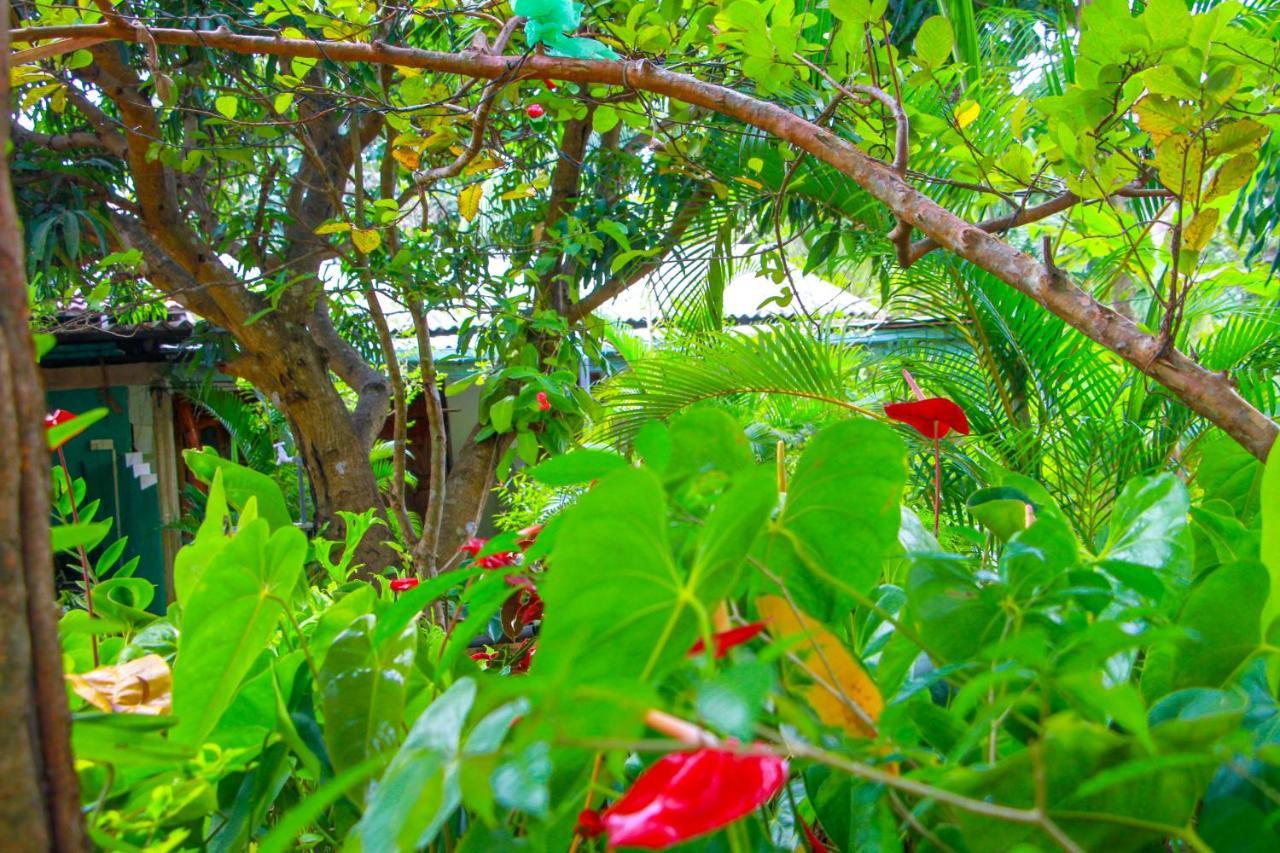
pixel 937 480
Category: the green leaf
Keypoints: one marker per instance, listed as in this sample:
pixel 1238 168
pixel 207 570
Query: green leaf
pixel 420 788
pixel 527 446
pixel 934 41
pixel 241 484
pixel 227 105
pixel 68 538
pixel 706 441
pixel 501 412
pixel 578 466
pixel 1001 509
pixel 604 119
pixel 653 445
pixel 229 619
pixel 829 546
pixel 362 690
pixel 615 586
pixel 953 614
pixel 1270 515
pixel 1149 527
pixel 1222 615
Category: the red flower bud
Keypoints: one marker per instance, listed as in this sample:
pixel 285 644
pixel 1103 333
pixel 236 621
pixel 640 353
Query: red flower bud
pixel 551 84
pixel 473 546
pixel 726 640
pixel 403 584
pixel 688 794
pixel 933 417
pixel 535 111
pixel 543 402
pixel 528 536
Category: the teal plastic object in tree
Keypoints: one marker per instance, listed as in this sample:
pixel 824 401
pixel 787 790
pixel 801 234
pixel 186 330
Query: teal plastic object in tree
pixel 549 24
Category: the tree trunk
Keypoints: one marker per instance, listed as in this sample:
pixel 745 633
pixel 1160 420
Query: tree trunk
pixel 334 445
pixel 39 792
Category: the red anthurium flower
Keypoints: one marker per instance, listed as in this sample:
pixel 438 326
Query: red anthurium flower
pixel 726 640
pixel 528 536
pixel 403 584
pixel 535 111
pixel 473 546
pixel 933 417
pixel 544 403
pixel 688 794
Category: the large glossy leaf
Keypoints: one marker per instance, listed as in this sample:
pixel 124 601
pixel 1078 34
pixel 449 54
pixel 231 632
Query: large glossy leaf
pixel 420 788
pixel 952 612
pixel 241 484
pixel 618 605
pixel 211 537
pixel 1222 617
pixel 362 690
pixel 229 619
pixel 1149 527
pixel 841 518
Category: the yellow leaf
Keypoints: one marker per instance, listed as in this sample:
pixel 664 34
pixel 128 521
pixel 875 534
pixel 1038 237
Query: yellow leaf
pixel 333 228
pixel 469 201
pixel 407 157
pixel 366 239
pixel 966 113
pixel 1200 230
pixel 841 693
pixel 522 191
pixel 487 163
pixel 141 686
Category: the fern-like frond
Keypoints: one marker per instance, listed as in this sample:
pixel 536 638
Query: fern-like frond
pixel 781 363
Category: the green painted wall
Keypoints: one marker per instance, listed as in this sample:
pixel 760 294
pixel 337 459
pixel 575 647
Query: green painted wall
pixel 138 510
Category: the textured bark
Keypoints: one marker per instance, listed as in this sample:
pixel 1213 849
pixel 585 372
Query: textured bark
pixel 1206 392
pixel 39 793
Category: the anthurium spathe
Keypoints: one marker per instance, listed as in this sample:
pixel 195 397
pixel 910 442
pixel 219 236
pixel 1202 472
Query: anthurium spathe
pixel 933 417
pixel 726 640
pixel 688 794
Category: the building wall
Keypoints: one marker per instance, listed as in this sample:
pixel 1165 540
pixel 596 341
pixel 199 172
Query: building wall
pixel 130 498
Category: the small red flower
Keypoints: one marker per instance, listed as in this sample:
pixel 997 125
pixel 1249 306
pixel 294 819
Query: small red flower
pixel 403 584
pixel 551 84
pixel 483 657
pixel 522 666
pixel 544 403
pixel 726 640
pixel 933 417
pixel 688 794
pixel 535 111
pixel 501 559
pixel 528 536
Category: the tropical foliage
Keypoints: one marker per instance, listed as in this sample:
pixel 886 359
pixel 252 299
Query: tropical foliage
pixel 819 582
